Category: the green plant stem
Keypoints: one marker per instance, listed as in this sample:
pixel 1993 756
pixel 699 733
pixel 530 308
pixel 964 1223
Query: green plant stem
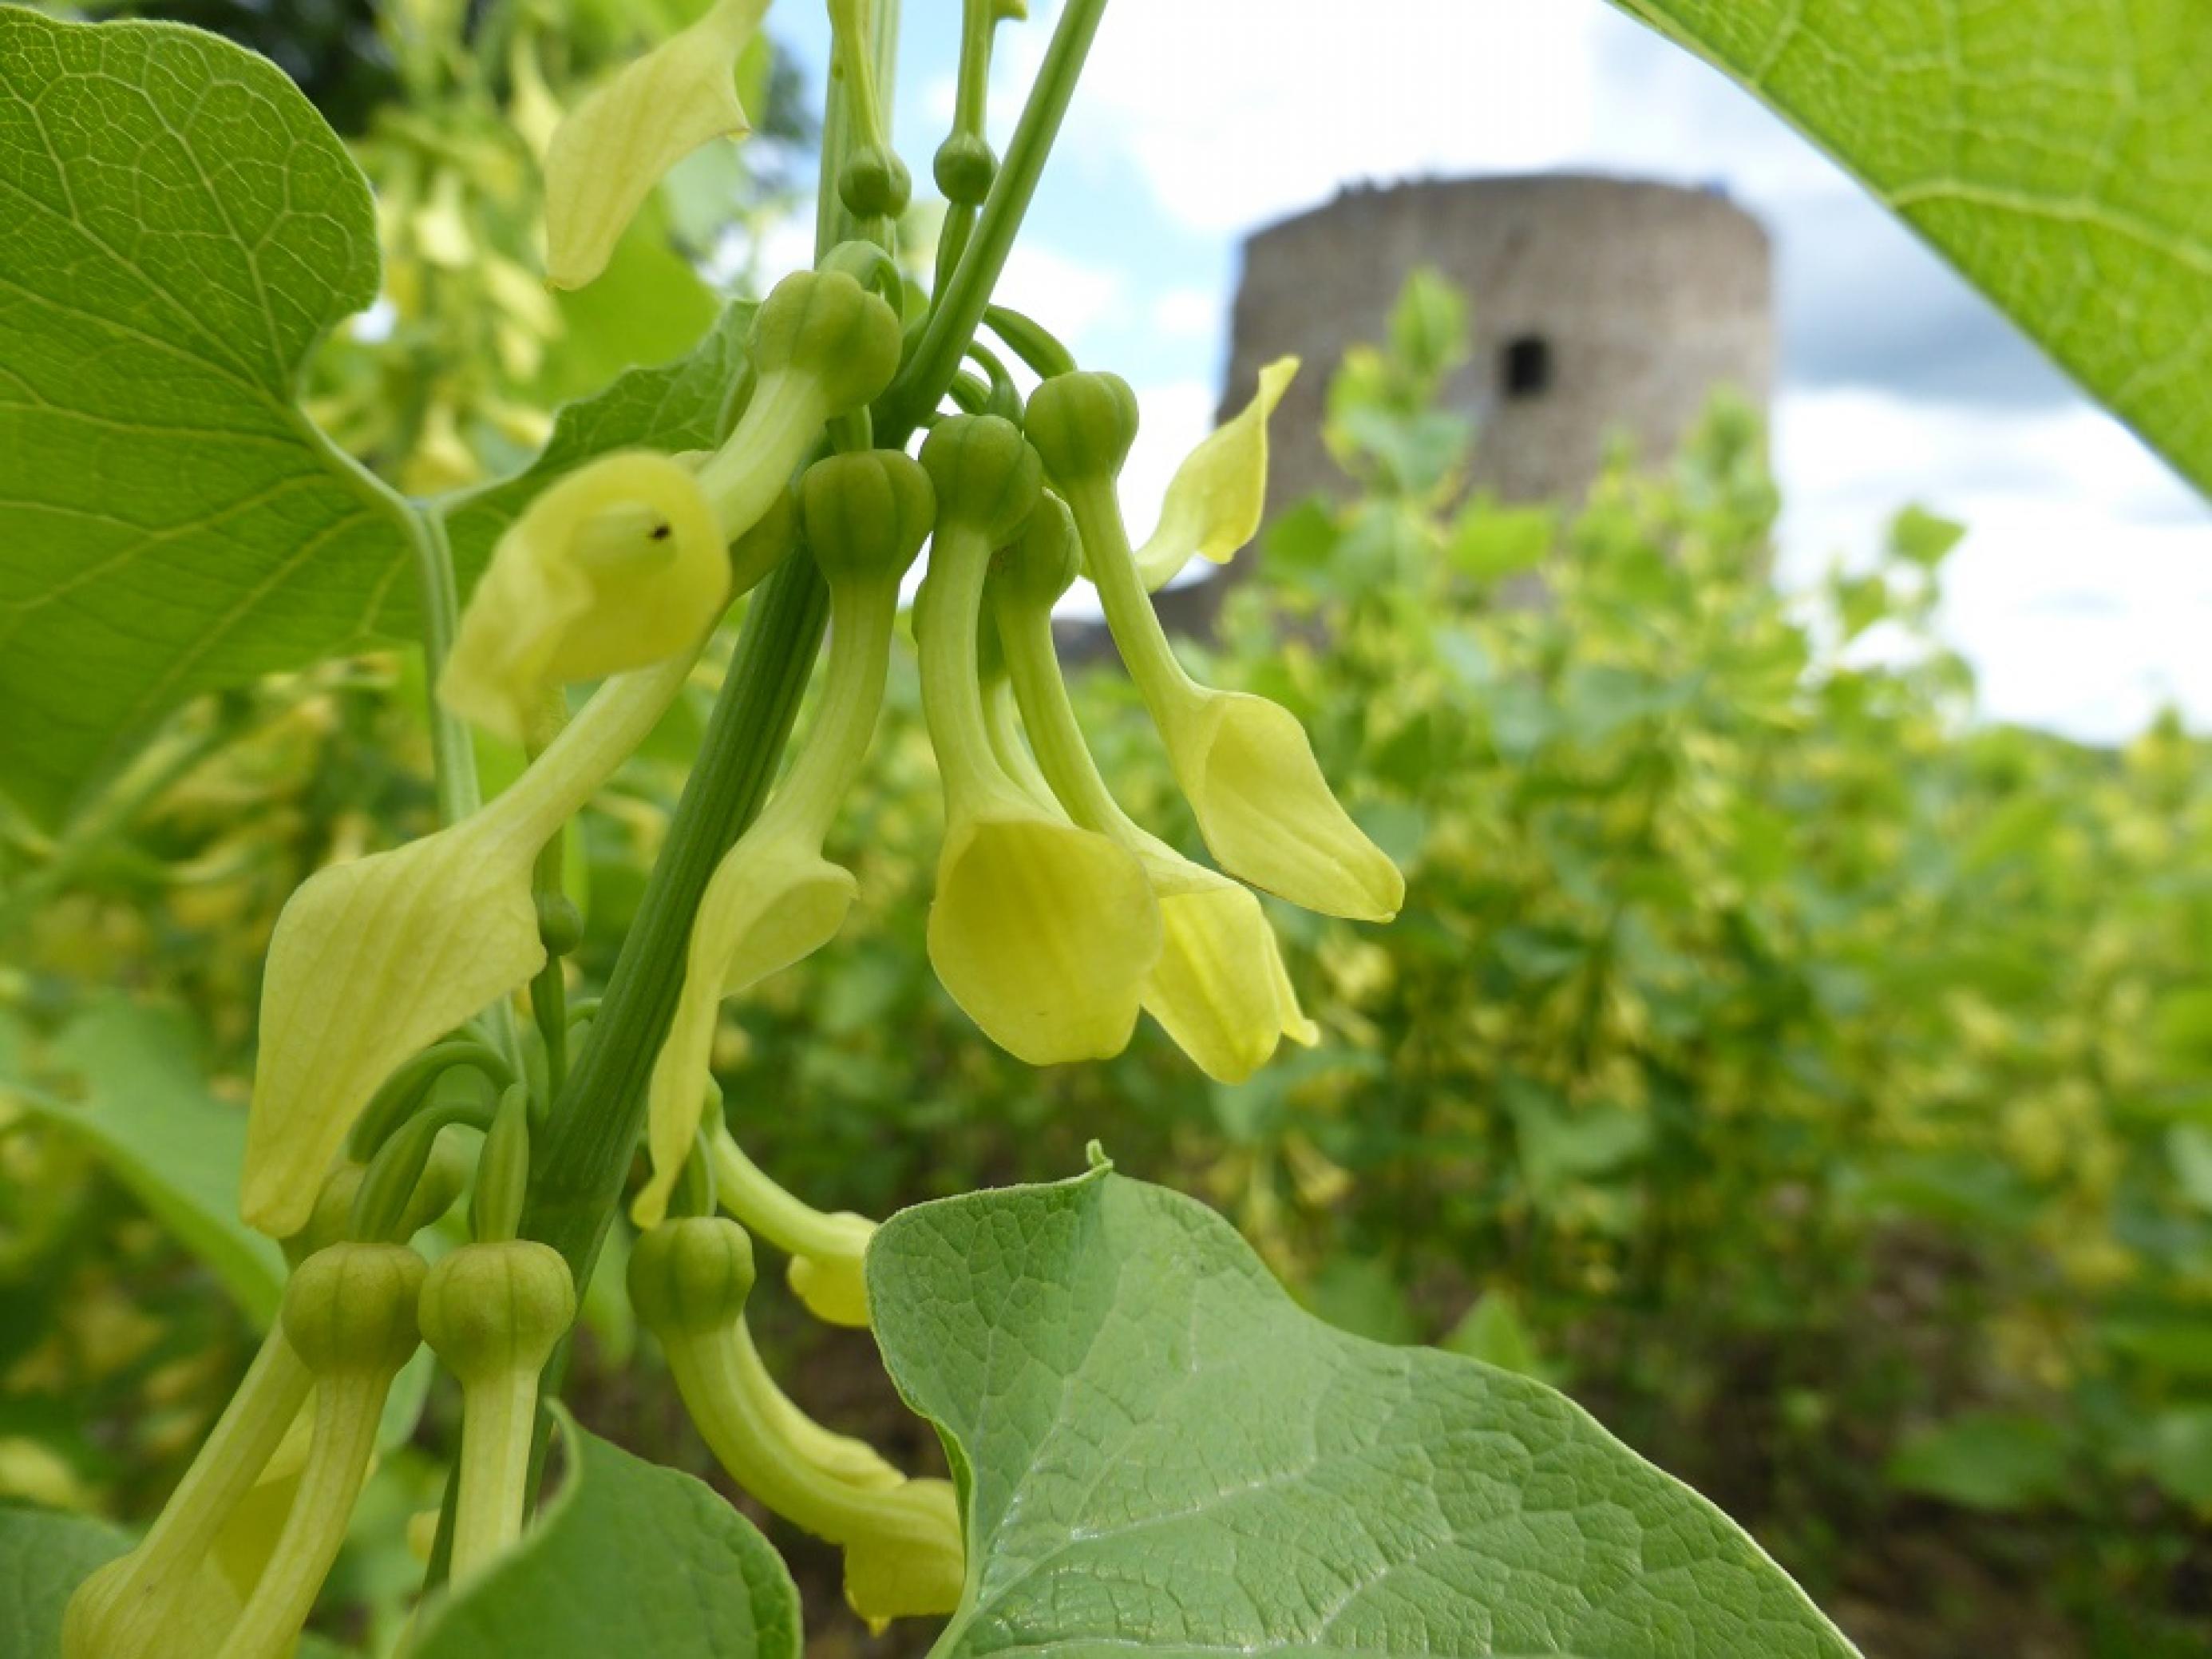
pixel 459 793
pixel 959 309
pixel 584 1152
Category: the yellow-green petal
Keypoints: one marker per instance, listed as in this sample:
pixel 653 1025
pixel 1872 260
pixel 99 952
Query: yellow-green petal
pixel 1219 988
pixel 1218 494
pixel 832 1283
pixel 912 1564
pixel 620 142
pixel 770 904
pixel 618 565
pixel 1043 933
pixel 374 959
pixel 1266 812
pixel 371 961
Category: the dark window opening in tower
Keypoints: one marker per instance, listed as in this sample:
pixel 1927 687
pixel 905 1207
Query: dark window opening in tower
pixel 1527 366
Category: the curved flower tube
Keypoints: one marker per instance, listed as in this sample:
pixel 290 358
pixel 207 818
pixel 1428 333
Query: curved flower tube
pixel 1218 494
pixel 608 154
pixel 774 899
pixel 1042 932
pixel 688 1282
pixel 375 959
pixel 127 1607
pixel 1219 987
pixel 826 1249
pixel 1243 762
pixel 349 1313
pixel 618 565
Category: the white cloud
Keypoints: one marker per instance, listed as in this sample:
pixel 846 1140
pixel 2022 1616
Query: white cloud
pixel 1237 111
pixel 1189 313
pixel 2082 594
pixel 1072 297
pixel 1175 415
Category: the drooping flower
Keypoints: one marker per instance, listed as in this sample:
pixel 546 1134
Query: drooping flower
pixel 689 1281
pixel 1219 987
pixel 1244 764
pixel 613 148
pixel 1042 930
pixel 619 564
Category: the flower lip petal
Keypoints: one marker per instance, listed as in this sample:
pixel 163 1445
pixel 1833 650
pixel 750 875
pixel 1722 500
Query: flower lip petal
pixel 767 908
pixel 613 148
pixel 617 565
pixel 1219 988
pixel 1269 816
pixel 371 961
pixel 1215 502
pixel 1043 933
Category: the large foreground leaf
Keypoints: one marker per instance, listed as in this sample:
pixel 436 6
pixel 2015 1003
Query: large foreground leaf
pixel 2058 151
pixel 181 229
pixel 1163 1455
pixel 44 1556
pixel 629 1558
pixel 143 1106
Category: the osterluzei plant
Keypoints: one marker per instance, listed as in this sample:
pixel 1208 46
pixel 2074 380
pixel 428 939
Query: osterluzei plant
pixel 847 438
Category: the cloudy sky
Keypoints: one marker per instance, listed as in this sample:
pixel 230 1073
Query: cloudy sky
pixel 2084 592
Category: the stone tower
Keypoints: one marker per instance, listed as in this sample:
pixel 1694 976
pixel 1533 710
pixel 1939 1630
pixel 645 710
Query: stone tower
pixel 1601 307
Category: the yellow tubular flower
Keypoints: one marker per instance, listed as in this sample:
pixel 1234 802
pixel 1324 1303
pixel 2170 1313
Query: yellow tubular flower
pixel 375 959
pixel 774 899
pixel 826 1250
pixel 1043 932
pixel 613 148
pixel 1219 494
pixel 1243 762
pixel 688 1281
pixel 1219 987
pixel 618 565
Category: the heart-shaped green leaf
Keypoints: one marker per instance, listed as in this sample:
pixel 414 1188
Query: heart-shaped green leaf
pixel 2056 152
pixel 1162 1453
pixel 182 229
pixel 630 1558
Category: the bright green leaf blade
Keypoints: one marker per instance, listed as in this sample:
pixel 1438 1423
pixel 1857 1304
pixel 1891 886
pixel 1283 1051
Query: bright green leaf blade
pixel 182 229
pixel 2059 154
pixel 1164 1454
pixel 629 1558
pixel 147 1112
pixel 44 1556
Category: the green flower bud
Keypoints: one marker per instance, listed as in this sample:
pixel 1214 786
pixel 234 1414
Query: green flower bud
pixel 333 1211
pixel 691 1276
pixel 560 923
pixel 493 1313
pixel 987 477
pixel 351 1307
pixel 867 513
pixel 1043 562
pixel 826 326
pixel 874 184
pixel 1083 425
pixel 965 169
pixel 490 1310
